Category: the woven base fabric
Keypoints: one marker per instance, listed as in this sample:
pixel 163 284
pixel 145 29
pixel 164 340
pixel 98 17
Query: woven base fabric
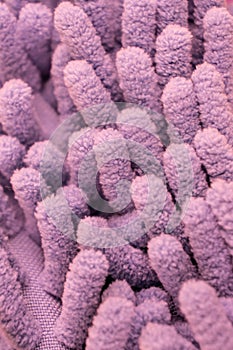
pixel 43 306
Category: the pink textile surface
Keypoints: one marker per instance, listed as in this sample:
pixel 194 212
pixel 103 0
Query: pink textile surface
pixel 116 175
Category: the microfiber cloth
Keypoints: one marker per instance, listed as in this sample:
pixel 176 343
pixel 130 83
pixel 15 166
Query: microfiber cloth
pixel 116 175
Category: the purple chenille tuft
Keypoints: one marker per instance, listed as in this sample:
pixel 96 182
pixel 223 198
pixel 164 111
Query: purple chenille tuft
pixel 93 232
pixel 218 31
pixel 16 113
pixel 44 157
pixel 130 264
pixel 60 59
pixel 162 337
pixel 103 16
pixel 137 77
pixel 78 33
pixel 21 275
pixel 11 156
pixel 81 159
pixel 57 228
pixel 149 310
pixel 35 21
pixel 206 316
pixel 200 8
pixel 119 289
pixel 208 246
pixel 14 6
pixel 88 94
pixel 27 185
pixel 35 154
pixel 171 263
pixel 144 140
pixel 11 216
pixel 14 61
pixel 173 53
pixel 139 24
pixel 149 196
pixel 220 198
pixel 125 262
pixel 84 87
pixel 111 325
pixel 180 107
pixel 215 153
pixel 171 13
pixel 76 200
pixel 184 172
pixel 130 226
pixel 152 293
pixel 214 109
pixel 114 167
pixel 81 297
pixel 155 206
